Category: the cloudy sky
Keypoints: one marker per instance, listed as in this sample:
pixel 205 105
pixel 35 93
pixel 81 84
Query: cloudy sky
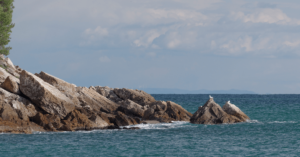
pixel 195 44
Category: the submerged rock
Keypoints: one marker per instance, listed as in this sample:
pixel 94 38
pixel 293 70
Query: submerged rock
pixel 212 113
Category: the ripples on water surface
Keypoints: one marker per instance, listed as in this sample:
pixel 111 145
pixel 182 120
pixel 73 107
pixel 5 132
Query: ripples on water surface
pixel 274 130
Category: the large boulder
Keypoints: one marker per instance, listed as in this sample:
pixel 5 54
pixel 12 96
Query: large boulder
pixel 166 112
pixel 49 122
pixel 138 96
pixel 107 92
pixel 11 85
pixel 44 95
pixel 131 108
pixel 235 111
pixel 15 114
pixel 212 113
pixel 67 88
pixel 78 121
pixel 89 98
pixel 177 112
pixel 122 119
pixel 15 106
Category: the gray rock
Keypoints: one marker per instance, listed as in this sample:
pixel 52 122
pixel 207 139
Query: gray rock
pixel 66 88
pixel 212 113
pixel 235 111
pixel 4 74
pixel 132 108
pixel 89 98
pixel 44 95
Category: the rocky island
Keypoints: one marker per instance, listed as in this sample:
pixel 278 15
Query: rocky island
pixel 42 102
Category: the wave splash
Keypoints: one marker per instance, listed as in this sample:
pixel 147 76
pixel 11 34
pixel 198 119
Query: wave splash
pixel 174 124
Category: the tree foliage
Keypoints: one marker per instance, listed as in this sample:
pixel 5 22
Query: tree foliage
pixel 6 10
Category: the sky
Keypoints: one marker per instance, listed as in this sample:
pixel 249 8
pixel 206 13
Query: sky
pixel 184 44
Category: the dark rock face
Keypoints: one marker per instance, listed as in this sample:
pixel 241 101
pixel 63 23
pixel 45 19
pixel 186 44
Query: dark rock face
pixel 212 113
pixel 15 112
pixel 166 112
pixel 107 92
pixel 138 96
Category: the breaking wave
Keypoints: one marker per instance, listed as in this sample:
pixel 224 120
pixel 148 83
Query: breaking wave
pixel 174 124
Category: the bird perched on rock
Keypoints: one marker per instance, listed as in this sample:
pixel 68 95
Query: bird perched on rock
pixel 210 97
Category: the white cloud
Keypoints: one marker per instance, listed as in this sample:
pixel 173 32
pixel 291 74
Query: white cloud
pixel 238 46
pixel 147 38
pixel 104 59
pixel 292 44
pixel 151 54
pixel 266 15
pixel 97 31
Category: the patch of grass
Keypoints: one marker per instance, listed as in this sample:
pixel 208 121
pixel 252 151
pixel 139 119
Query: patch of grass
pixel 4 67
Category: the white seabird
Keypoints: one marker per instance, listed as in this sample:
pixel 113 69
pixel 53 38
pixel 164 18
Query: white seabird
pixel 210 97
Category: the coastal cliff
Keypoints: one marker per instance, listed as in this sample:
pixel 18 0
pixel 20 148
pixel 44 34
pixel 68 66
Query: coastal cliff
pixel 42 102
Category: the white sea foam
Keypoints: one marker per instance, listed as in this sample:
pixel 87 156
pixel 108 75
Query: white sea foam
pixel 253 121
pixel 174 124
pixel 283 122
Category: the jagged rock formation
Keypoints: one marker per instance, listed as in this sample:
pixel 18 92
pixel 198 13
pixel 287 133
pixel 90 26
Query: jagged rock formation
pixel 42 102
pixel 212 113
pixel 44 95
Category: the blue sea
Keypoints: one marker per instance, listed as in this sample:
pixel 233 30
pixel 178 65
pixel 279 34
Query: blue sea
pixel 274 130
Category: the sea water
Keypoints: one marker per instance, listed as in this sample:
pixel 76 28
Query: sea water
pixel 274 130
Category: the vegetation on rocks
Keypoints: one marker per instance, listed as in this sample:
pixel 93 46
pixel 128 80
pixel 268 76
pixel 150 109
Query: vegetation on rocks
pixel 6 10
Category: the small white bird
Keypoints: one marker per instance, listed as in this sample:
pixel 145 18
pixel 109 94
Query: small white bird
pixel 210 97
pixel 228 102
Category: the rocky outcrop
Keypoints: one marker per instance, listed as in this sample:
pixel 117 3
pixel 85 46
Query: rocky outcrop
pixel 166 112
pixel 11 85
pixel 108 93
pixel 123 120
pixel 138 96
pixel 131 108
pixel 15 114
pixel 44 95
pixel 43 102
pixel 235 111
pixel 66 88
pixel 91 99
pixel 212 113
pixel 7 64
pixel 4 74
pixel 16 106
